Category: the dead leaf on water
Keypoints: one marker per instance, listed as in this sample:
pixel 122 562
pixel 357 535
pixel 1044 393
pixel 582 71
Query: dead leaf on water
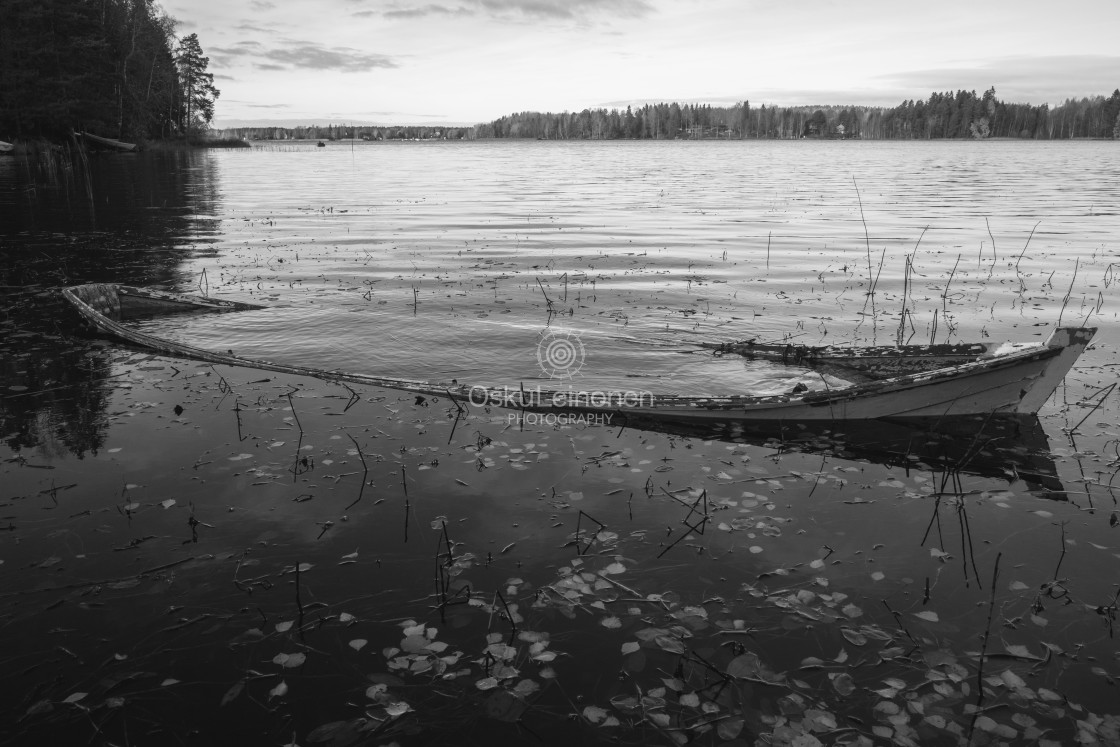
pixel 233 692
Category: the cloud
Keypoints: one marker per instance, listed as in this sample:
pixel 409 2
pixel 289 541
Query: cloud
pixel 302 54
pixel 251 27
pixel 513 10
pixel 420 12
pixel 240 48
pixel 567 9
pixel 343 59
pixel 262 5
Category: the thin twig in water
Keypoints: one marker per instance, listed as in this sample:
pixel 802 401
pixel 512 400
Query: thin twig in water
pixel 1107 391
pixel 995 258
pixel 295 415
pixel 866 238
pixel 365 472
pixel 1065 300
pixel 1025 246
pixel 1061 557
pixel 983 652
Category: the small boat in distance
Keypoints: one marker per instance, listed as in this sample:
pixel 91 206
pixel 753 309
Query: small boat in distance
pixel 908 381
pixel 104 143
pixel 321 144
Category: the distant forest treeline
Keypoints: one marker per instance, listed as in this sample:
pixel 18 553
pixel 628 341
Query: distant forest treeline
pixel 111 67
pixel 963 114
pixel 347 132
pixel 944 115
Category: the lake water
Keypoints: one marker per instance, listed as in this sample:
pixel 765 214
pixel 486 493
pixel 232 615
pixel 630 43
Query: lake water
pixel 834 583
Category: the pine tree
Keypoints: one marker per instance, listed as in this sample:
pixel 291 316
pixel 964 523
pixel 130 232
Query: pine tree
pixel 199 93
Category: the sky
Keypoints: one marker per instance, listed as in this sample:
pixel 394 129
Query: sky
pixel 458 62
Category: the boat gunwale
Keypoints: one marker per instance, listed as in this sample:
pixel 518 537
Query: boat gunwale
pixel 537 399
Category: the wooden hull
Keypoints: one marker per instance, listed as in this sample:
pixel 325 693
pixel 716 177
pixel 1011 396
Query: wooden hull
pixel 990 381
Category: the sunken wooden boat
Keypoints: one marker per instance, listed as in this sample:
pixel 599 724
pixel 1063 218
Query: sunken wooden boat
pixel 909 381
pixel 104 143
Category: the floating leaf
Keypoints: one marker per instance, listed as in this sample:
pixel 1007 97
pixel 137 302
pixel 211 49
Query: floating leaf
pixel 232 693
pixel 284 627
pixel 279 691
pixel 745 665
pixel 290 661
pixel 168 503
pixel 1017 586
pixel 415 644
pixel 611 622
pixel 670 644
pixel 398 709
pixel 168 682
pixel 690 700
pixel 526 687
pixel 74 697
pixel 594 714
pixel 843 683
pixel 630 647
pixel 1021 652
pixel 345 617
pixel 488 683
pixel 928 616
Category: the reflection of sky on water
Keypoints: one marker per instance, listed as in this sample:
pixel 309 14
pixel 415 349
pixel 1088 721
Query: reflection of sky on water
pixel 473 228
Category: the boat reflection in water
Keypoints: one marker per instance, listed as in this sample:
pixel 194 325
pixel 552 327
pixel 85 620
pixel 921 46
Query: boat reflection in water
pixel 1004 447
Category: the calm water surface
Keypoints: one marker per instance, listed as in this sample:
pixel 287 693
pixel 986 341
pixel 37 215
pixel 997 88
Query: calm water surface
pixel 854 564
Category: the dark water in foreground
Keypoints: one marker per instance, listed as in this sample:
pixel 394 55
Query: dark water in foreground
pixel 466 578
